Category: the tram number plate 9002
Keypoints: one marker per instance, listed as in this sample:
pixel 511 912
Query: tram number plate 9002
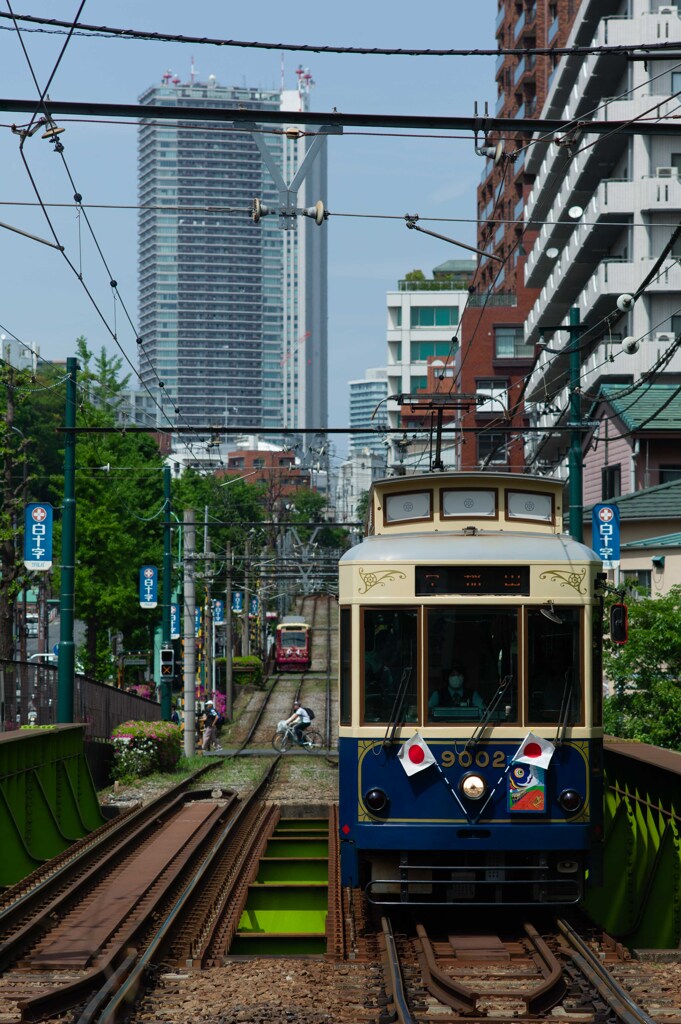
pixel 468 758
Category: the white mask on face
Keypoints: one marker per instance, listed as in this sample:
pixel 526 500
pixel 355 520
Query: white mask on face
pixel 456 681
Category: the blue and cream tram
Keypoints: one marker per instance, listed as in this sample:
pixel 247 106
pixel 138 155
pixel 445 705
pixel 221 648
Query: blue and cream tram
pixel 470 734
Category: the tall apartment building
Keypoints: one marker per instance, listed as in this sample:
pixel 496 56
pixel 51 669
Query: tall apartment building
pixel 495 355
pixel 368 409
pixel 608 205
pixel 232 313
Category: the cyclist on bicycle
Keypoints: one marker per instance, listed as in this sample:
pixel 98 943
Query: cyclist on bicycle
pixel 300 721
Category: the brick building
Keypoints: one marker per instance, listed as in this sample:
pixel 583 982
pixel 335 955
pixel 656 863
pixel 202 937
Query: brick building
pixel 493 358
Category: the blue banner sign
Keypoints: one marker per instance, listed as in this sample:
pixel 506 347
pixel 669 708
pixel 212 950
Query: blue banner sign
pixel 38 536
pixel 148 586
pixel 218 612
pixel 174 622
pixel 237 601
pixel 605 529
pixel 254 606
pixel 197 622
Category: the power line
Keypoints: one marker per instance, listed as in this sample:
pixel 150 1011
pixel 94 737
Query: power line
pixel 369 51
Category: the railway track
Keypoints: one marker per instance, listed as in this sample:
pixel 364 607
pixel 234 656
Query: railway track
pixel 431 975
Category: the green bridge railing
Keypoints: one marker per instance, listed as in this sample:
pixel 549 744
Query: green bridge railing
pixel 47 797
pixel 640 901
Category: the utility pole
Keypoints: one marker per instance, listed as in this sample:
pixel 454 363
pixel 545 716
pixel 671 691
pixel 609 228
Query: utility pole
pixel 189 634
pixel 575 461
pixel 166 682
pixel 67 653
pixel 229 675
pixel 246 628
pixel 209 625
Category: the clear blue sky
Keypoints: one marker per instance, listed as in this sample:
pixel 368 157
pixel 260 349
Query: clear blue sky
pixel 42 302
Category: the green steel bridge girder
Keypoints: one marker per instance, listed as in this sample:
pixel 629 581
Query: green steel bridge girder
pixel 47 797
pixel 640 900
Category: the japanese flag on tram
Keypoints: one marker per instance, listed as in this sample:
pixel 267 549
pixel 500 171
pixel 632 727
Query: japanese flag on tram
pixel 534 750
pixel 415 755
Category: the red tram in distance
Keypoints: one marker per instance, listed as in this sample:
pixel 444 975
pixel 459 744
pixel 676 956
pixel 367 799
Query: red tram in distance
pixel 292 651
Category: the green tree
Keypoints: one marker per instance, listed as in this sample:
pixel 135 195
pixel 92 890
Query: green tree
pixel 119 504
pixel 646 673
pixel 362 506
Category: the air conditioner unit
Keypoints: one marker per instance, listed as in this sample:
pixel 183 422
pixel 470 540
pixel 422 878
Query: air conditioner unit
pixel 666 172
pixel 668 9
pixel 664 338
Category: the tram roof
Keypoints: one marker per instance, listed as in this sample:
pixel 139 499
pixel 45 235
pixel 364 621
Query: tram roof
pixel 457 546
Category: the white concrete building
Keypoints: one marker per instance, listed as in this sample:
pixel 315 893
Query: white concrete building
pixel 608 205
pixel 355 477
pixel 423 317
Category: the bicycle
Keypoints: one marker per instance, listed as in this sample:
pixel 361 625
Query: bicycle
pixel 285 738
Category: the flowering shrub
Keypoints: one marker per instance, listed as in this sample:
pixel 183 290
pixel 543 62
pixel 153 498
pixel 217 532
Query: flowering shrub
pixel 141 748
pixel 142 690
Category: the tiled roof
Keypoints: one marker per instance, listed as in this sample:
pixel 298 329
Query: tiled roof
pixel 667 540
pixel 637 408
pixel 661 502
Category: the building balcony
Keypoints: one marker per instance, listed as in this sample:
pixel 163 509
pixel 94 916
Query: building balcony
pixel 552 31
pixel 595 298
pixel 614 200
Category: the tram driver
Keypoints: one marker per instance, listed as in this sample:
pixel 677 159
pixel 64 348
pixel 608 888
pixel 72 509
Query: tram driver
pixel 454 693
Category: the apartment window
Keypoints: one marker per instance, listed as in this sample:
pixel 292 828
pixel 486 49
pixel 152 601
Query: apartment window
pixel 434 316
pixel 640 576
pixel 421 350
pixel 610 482
pixel 669 473
pixel 676 82
pixel 491 397
pixel 509 343
pixel 492 448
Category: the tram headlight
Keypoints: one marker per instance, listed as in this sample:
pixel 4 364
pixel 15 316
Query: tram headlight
pixel 376 800
pixel 473 786
pixel 571 801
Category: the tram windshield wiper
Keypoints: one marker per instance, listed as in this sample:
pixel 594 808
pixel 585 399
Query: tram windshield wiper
pixel 397 713
pixel 565 707
pixel 489 711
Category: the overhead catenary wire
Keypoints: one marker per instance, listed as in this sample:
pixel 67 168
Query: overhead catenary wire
pixel 137 34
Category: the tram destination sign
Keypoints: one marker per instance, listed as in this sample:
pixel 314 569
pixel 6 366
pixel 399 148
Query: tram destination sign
pixel 472 579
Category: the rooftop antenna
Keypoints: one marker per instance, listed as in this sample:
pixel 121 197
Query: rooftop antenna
pixel 192 71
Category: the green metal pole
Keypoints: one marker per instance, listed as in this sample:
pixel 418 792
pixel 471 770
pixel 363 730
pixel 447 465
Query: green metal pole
pixel 575 462
pixel 167 583
pixel 67 654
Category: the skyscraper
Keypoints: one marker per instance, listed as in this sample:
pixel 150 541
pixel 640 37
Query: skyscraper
pixel 232 313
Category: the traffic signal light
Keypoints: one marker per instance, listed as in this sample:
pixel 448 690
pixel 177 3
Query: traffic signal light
pixel 619 624
pixel 167 663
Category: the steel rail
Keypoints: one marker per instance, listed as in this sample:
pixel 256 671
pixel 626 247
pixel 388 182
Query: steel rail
pixel 394 979
pixel 540 998
pixel 23 898
pixel 109 1005
pixel 617 997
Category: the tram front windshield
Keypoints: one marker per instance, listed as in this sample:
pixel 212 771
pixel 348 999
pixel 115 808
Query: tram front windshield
pixel 470 654
pixel 469 668
pixel 292 638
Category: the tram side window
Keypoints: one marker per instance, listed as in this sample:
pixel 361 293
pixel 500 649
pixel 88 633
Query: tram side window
pixel 554 658
pixel 481 646
pixel 390 665
pixel 345 665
